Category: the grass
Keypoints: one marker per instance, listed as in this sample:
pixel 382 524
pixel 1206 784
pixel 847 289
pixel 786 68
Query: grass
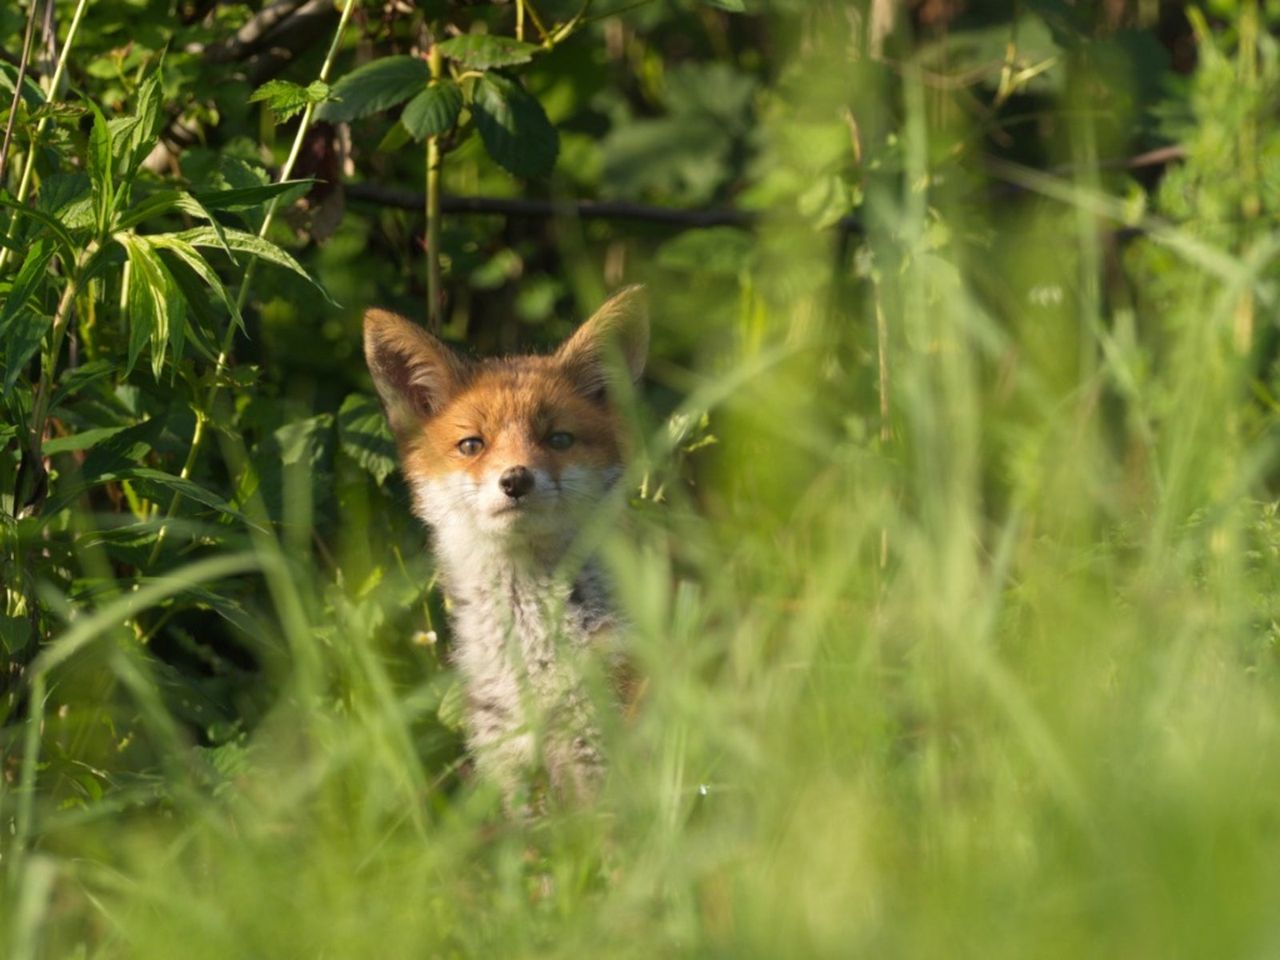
pixel 1000 681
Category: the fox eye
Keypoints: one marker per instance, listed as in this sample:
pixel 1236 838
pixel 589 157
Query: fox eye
pixel 560 440
pixel 470 446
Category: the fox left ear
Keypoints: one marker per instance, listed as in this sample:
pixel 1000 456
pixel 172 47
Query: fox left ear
pixel 621 324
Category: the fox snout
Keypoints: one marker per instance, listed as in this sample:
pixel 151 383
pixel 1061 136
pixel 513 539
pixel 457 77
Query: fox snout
pixel 516 481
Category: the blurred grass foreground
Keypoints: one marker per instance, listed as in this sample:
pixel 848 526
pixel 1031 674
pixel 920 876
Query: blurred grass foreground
pixel 953 556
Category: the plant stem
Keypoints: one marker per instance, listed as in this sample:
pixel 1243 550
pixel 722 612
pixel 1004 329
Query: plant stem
pixel 434 306
pixel 17 87
pixel 25 183
pixel 40 402
pixel 537 21
pixel 224 354
pixel 61 320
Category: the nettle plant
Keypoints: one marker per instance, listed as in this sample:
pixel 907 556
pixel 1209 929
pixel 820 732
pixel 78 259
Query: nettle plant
pixel 115 332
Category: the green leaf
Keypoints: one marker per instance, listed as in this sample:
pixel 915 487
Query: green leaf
pixel 514 127
pixel 162 202
pixel 396 137
pixel 147 476
pixel 16 634
pixel 375 86
pixel 100 167
pixel 434 111
pixel 30 275
pixel 246 198
pixel 157 309
pixel 365 437
pixel 288 99
pixel 79 378
pixel 733 6
pixel 147 122
pixel 31 92
pixel 122 449
pixel 44 219
pixel 84 440
pixel 242 242
pixel 22 340
pixel 190 256
pixel 480 51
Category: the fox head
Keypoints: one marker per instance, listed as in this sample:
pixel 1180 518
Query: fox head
pixel 511 448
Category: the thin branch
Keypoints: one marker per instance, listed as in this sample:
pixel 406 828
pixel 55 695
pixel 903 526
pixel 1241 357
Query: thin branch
pixel 389 196
pixel 400 198
pixel 250 36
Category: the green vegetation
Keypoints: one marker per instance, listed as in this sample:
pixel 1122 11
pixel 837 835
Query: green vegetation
pixel 953 561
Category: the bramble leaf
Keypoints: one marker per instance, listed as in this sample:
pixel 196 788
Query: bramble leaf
pixel 287 99
pixel 434 111
pixel 375 86
pixel 480 51
pixel 514 127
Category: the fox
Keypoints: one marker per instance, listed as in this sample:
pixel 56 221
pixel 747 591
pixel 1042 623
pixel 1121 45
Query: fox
pixel 506 460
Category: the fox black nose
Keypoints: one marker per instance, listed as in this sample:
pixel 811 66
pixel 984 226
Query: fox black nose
pixel 516 482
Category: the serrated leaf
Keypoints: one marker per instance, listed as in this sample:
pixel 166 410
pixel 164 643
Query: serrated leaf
pixel 365 437
pixel 480 51
pixel 434 111
pixel 242 242
pixel 514 127
pixel 375 86
pixel 289 99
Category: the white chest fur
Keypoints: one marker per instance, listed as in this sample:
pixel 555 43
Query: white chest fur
pixel 523 638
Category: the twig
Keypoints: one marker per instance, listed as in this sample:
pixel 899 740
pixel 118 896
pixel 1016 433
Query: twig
pixel 404 199
pixel 397 197
pixel 245 40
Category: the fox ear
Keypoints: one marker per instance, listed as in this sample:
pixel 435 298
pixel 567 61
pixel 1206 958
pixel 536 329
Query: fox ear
pixel 414 372
pixel 621 324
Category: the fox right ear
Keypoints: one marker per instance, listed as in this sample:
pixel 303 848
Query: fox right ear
pixel 414 372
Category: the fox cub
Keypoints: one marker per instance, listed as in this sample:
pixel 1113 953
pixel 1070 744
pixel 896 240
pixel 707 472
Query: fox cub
pixel 506 458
